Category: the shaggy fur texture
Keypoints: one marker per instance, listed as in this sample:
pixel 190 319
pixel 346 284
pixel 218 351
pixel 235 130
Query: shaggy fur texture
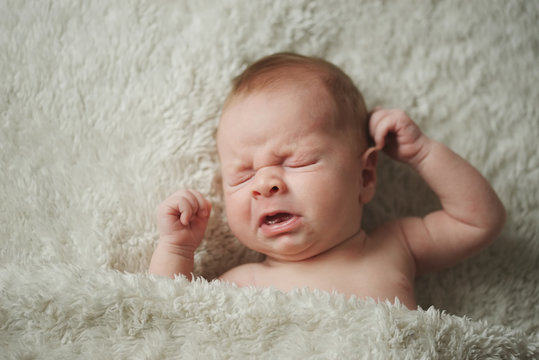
pixel 108 106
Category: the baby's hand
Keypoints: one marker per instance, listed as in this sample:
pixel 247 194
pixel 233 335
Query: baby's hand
pixel 182 220
pixel 395 133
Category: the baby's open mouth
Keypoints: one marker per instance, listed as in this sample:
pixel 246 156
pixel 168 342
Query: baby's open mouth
pixel 277 218
pixel 279 223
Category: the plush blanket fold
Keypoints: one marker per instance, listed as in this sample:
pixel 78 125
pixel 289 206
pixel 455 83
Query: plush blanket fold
pixel 114 315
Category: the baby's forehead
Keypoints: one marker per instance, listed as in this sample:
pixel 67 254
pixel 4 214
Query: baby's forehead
pixel 311 88
pixel 313 99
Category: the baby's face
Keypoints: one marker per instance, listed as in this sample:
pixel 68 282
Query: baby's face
pixel 291 182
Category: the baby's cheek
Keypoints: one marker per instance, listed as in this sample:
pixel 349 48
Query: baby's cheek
pixel 238 212
pixel 321 184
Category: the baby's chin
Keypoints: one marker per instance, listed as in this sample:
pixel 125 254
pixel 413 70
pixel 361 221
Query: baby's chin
pixel 291 252
pixel 295 249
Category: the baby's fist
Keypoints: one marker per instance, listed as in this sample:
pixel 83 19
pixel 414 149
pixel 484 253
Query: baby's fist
pixel 395 133
pixel 182 218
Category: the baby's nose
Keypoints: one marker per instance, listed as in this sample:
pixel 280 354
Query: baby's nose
pixel 268 185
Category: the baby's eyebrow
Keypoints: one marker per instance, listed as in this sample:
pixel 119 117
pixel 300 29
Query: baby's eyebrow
pixel 274 158
pixel 240 163
pixel 238 166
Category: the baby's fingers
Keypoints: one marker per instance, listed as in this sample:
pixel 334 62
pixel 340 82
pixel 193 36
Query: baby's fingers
pixel 192 203
pixel 379 126
pixel 186 207
pixel 203 205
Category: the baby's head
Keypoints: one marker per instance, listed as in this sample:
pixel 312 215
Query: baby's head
pixel 340 96
pixel 294 155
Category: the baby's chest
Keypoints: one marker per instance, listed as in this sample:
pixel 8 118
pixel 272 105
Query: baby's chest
pixel 379 282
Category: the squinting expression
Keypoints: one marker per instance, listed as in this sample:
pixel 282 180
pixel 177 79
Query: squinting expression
pixel 291 182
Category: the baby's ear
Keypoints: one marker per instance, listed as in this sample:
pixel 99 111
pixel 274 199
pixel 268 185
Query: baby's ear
pixel 369 160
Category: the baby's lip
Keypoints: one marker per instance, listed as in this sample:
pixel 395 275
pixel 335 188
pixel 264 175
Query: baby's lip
pixel 277 223
pixel 265 216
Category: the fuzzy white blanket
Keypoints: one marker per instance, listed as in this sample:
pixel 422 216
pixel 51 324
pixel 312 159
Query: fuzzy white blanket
pixel 108 106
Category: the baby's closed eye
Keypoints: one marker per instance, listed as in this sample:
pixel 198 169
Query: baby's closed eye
pixel 240 178
pixel 301 163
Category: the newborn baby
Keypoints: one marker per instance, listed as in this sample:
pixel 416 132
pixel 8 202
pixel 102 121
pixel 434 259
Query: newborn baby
pixel 298 166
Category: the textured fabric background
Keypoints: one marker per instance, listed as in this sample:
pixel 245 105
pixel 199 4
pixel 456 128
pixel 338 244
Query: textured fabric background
pixel 108 107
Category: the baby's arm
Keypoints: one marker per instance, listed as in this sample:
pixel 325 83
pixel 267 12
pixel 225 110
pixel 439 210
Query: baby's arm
pixel 182 221
pixel 472 213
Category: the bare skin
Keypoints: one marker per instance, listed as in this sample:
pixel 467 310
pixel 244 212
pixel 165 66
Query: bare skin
pixel 295 190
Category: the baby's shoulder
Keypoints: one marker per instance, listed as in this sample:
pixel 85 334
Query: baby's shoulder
pixel 389 238
pixel 387 232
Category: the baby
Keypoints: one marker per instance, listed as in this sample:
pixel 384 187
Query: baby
pixel 298 166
